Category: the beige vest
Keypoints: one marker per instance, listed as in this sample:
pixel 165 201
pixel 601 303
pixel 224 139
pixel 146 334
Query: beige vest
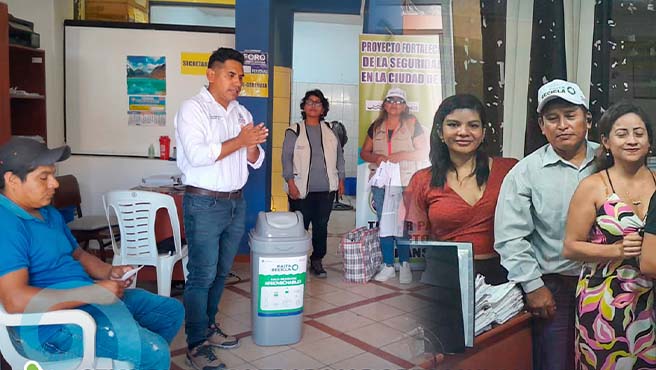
pixel 401 142
pixel 303 157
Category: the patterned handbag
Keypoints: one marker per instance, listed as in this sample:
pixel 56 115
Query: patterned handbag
pixel 361 254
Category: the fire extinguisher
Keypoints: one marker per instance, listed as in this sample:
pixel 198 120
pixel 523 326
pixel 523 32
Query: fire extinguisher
pixel 164 146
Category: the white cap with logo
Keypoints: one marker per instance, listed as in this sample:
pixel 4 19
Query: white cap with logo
pixel 395 92
pixel 565 90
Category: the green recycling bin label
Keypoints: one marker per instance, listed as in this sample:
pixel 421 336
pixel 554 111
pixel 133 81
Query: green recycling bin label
pixel 281 282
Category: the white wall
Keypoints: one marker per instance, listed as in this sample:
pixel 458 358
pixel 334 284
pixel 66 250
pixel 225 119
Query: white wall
pixel 326 51
pixel 325 57
pixel 332 67
pixel 98 175
pixel 48 17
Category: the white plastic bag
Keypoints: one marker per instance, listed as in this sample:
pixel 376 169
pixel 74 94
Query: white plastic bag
pixel 391 219
pixel 386 174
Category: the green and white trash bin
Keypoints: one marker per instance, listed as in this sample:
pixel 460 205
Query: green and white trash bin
pixel 279 247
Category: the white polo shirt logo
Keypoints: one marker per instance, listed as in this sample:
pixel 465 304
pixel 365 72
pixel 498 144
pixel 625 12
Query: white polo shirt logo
pixel 241 120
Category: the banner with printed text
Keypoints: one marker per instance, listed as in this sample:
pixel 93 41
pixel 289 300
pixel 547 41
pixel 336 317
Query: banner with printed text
pixel 411 63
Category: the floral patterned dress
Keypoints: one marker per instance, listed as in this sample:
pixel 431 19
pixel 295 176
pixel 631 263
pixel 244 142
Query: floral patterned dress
pixel 614 313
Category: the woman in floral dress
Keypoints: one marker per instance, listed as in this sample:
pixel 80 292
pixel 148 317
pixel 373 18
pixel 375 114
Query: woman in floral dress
pixel 615 318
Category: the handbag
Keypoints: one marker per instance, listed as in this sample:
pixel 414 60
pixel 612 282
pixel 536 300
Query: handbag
pixel 361 255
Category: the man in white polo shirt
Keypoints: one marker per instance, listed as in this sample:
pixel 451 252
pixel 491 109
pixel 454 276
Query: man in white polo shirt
pixel 218 142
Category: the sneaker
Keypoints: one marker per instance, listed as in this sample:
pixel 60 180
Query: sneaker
pixel 216 337
pixel 405 274
pixel 202 357
pixel 317 269
pixel 385 274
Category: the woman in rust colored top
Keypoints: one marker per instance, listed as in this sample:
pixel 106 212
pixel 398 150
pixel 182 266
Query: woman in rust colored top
pixel 455 198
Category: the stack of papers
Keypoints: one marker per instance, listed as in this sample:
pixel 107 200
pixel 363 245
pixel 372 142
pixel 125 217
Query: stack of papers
pixel 15 91
pixel 495 304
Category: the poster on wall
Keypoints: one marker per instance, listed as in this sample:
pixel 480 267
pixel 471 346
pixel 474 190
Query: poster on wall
pixel 411 63
pixel 256 74
pixel 146 85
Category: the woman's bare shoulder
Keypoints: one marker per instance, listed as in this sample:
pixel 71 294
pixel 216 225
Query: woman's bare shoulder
pixel 592 182
pixel 593 188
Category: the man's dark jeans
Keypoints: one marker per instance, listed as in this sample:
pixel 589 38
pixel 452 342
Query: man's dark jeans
pixel 214 228
pixel 553 340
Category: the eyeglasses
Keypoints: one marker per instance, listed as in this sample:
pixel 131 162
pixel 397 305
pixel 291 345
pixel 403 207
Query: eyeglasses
pixel 394 100
pixel 311 103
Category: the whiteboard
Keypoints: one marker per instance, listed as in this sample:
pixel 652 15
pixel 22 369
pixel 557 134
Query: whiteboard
pixel 96 83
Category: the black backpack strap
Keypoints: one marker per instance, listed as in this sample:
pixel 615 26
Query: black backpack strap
pixel 296 130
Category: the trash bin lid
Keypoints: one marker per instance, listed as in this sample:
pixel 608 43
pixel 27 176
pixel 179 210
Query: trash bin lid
pixel 274 225
pixel 282 220
pixel 279 230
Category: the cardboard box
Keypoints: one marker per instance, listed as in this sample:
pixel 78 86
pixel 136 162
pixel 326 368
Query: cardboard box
pixel 117 10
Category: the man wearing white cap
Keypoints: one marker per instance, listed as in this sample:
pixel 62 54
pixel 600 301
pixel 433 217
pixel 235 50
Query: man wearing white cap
pixel 530 221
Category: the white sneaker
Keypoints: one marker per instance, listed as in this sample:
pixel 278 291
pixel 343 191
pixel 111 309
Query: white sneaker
pixel 385 274
pixel 405 274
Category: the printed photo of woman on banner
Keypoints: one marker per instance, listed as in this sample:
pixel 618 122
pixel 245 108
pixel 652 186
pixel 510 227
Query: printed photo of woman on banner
pixel 400 89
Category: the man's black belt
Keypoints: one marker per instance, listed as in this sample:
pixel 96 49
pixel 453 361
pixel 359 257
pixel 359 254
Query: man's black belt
pixel 214 194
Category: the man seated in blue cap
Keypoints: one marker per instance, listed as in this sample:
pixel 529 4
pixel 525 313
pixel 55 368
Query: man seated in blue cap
pixel 43 269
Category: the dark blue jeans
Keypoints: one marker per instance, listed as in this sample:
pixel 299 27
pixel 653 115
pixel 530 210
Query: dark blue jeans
pixel 553 340
pixel 138 329
pixel 214 227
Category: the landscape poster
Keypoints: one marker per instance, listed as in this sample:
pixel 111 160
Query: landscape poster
pixel 146 85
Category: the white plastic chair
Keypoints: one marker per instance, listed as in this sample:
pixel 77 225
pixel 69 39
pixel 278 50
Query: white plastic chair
pixel 75 317
pixel 136 212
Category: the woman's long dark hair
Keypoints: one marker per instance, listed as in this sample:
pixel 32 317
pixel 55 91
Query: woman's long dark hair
pixel 604 158
pixel 439 152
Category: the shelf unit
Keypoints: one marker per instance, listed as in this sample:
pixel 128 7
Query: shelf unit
pixel 5 126
pixel 24 69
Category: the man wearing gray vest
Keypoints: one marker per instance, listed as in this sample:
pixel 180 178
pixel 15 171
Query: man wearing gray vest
pixel 313 169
